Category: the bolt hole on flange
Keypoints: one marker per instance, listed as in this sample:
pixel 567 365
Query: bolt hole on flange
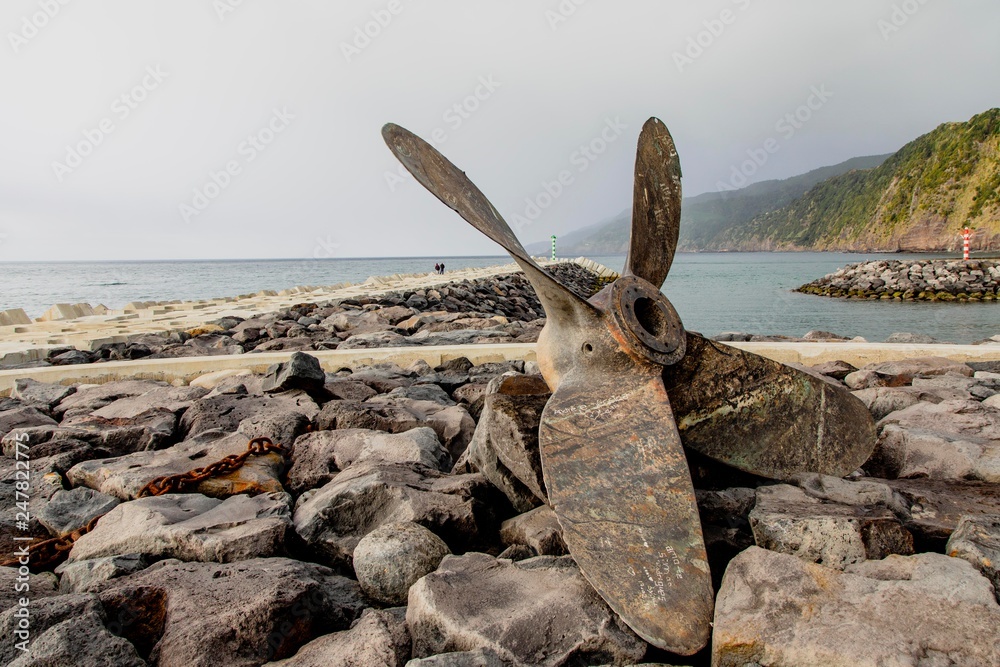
pixel 587 347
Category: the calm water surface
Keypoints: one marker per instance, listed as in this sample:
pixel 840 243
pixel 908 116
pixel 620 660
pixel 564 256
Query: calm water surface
pixel 713 292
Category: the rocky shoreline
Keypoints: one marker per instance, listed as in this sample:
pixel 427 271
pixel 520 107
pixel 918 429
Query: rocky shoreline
pixel 975 280
pixel 497 309
pixel 406 524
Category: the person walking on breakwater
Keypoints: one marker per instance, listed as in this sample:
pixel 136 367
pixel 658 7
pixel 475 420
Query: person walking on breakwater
pixel 437 268
pixel 442 268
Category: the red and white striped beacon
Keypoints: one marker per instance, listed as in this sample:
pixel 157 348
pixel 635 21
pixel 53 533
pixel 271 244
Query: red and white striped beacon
pixel 966 235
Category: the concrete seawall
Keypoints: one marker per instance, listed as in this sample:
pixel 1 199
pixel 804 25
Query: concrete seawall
pixel 186 369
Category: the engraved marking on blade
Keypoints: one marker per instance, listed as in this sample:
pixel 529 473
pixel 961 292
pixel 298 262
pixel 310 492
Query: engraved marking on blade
pixel 747 399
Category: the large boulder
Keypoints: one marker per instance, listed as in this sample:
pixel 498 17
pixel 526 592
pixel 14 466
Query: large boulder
pixel 936 507
pixel 24 416
pixel 191 527
pixel 86 399
pixel 390 559
pixel 538 529
pixel 125 476
pixel 318 457
pixel 537 612
pixel 40 585
pixel 171 399
pixel 67 511
pixel 505 445
pixel 153 429
pixel 301 371
pixel 88 576
pixel 226 411
pixel 44 394
pixel 238 614
pixel 787 520
pixel 334 518
pixel 378 639
pixel 977 540
pixel 927 609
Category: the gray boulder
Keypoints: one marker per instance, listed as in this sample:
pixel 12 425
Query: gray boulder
pixel 226 411
pixel 41 585
pixel 45 394
pixel 390 559
pixel 238 614
pixel 171 399
pixel 977 540
pixel 379 638
pixel 505 445
pixel 88 576
pixel 482 657
pixel 86 399
pixel 191 527
pixel 538 529
pixel 318 457
pixel 538 612
pixel 301 371
pixel 787 520
pixel 927 609
pixel 937 507
pixel 71 510
pixel 24 416
pixel 334 518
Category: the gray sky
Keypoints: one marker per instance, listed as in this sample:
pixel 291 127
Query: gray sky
pixel 291 99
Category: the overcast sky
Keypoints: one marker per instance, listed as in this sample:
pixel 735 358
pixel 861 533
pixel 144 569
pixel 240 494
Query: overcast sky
pixel 115 114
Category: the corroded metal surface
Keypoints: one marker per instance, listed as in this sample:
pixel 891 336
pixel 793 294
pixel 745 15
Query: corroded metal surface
pixel 630 385
pixel 763 417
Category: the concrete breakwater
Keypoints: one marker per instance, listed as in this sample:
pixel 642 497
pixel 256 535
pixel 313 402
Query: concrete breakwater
pixel 913 280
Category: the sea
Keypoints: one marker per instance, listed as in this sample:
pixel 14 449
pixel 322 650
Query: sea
pixel 712 292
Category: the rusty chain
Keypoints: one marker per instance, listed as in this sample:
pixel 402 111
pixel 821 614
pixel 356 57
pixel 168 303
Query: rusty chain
pixel 48 553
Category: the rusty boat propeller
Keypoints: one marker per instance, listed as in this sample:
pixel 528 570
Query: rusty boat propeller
pixel 631 388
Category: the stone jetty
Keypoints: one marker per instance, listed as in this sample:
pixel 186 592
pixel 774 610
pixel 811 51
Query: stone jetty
pixel 406 524
pixel 490 307
pixel 913 280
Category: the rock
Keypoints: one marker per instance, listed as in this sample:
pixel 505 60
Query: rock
pixel 787 520
pixel 725 506
pixel 911 338
pixel 452 423
pixel 67 630
pixel 505 445
pixel 226 411
pixel 838 370
pixel 124 476
pixel 538 529
pixel 211 380
pixel 379 638
pixel 279 427
pixel 301 371
pixel 87 399
pixel 334 518
pixel 539 611
pixel 926 609
pixel 239 614
pixel 347 389
pixel 918 367
pixel 473 397
pixel 33 392
pixel 864 379
pixel 317 457
pixel 23 417
pixel 375 339
pixel 40 586
pixel 482 657
pixel 859 492
pixel 882 401
pixel 952 440
pixel 817 334
pixel 936 506
pixel 170 399
pixel 88 576
pixel 71 510
pixel 150 430
pixel 190 526
pixel 392 557
pixel 993 402
pixel 977 540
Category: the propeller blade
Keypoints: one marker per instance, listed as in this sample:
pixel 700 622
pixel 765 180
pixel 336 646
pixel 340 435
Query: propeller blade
pixel 450 184
pixel 618 481
pixel 763 417
pixel 656 205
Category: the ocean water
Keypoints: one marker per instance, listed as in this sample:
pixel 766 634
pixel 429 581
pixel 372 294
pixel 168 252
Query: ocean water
pixel 713 292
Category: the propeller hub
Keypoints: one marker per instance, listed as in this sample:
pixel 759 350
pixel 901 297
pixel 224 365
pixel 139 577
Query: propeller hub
pixel 645 321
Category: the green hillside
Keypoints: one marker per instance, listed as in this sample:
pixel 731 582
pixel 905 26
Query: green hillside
pixel 919 199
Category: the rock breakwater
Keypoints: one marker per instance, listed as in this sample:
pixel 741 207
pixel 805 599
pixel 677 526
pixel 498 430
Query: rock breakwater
pixel 496 309
pixel 912 280
pixel 406 524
